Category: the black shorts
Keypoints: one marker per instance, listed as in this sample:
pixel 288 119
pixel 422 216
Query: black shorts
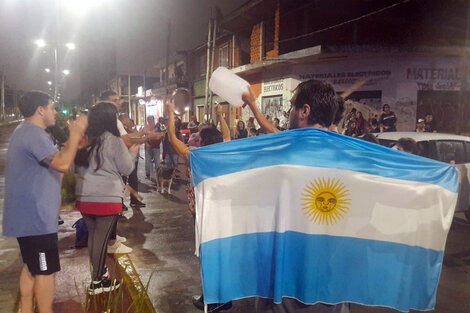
pixel 40 253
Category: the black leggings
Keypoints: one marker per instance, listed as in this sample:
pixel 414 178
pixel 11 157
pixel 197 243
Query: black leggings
pixel 99 230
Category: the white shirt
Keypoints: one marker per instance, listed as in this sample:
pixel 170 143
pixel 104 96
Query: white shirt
pixel 121 129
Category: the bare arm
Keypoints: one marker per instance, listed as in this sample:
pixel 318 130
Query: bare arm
pixel 223 124
pixel 127 140
pixel 64 159
pixel 179 146
pixel 250 99
pixel 155 136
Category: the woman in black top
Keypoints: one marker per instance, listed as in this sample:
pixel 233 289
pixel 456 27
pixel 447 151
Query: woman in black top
pixel 388 120
pixel 241 130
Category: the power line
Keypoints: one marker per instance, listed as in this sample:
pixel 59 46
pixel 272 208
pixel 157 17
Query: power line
pixel 336 25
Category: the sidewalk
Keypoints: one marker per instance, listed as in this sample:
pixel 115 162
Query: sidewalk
pixel 162 236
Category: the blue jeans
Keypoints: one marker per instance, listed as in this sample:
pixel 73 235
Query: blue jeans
pixel 171 160
pixel 152 160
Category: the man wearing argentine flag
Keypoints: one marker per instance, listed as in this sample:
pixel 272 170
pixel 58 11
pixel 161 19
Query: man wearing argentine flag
pixel 310 216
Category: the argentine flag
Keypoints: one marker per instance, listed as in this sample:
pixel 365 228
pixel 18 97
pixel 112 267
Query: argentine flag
pixel 321 217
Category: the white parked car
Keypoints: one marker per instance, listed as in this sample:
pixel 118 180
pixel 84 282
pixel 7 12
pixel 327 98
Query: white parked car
pixel 441 147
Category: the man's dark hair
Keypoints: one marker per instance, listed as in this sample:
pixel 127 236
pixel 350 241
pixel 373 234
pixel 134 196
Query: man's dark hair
pixel 210 135
pixel 321 98
pixel 408 145
pixel 106 94
pixel 370 138
pixel 31 101
pixel 339 110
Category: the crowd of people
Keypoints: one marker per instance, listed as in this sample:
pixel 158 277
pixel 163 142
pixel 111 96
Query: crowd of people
pixel 103 150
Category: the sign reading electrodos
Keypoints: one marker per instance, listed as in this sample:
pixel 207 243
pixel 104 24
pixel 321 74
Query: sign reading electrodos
pixel 273 86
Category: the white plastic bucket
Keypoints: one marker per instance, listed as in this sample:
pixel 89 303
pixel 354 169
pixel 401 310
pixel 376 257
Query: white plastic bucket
pixel 228 86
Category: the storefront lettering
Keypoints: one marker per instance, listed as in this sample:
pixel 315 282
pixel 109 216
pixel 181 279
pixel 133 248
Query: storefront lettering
pixel 339 75
pixel 278 87
pixel 432 74
pixel 450 85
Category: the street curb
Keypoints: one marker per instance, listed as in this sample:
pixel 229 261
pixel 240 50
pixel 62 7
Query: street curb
pixel 136 289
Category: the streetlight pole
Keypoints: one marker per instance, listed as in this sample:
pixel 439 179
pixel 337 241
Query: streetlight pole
pixel 56 73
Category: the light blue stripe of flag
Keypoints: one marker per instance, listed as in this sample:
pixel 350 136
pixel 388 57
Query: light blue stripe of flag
pixel 320 268
pixel 318 148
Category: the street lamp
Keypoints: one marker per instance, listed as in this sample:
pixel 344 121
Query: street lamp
pixel 49 82
pixel 70 46
pixel 40 43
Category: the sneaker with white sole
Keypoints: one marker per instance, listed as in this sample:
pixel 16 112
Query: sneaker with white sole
pixel 121 239
pixel 119 248
pixel 105 274
pixel 104 285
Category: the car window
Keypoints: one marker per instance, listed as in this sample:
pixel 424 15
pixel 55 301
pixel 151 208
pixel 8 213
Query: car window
pixel 448 151
pixel 387 142
pixel 424 149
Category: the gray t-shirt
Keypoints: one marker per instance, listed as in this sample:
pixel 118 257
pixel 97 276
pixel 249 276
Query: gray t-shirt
pixel 105 184
pixel 32 189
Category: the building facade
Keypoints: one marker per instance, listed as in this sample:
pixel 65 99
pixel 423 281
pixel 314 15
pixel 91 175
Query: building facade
pixel 401 57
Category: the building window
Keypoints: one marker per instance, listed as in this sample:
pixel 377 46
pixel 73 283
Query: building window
pixel 269 35
pixel 223 56
pixel 180 71
pixel 203 65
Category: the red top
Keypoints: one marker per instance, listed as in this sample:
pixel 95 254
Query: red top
pixel 98 208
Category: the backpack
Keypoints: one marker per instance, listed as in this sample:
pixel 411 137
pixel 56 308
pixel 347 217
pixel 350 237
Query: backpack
pixel 81 233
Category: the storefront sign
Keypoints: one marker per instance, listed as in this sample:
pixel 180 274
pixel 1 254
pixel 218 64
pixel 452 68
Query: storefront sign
pixel 276 86
pixel 347 78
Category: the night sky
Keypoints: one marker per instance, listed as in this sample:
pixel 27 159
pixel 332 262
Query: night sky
pixel 139 28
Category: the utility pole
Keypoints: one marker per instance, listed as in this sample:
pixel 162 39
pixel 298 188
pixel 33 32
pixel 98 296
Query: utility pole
pixel 129 97
pixel 214 36
pixel 2 97
pixel 137 113
pixel 167 58
pixel 56 72
pixel 206 103
pixel 56 41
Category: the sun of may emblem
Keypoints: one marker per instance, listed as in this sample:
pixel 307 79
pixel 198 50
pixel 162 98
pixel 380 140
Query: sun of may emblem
pixel 325 201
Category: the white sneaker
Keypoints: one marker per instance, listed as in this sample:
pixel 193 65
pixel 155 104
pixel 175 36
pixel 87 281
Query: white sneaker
pixel 121 239
pixel 119 248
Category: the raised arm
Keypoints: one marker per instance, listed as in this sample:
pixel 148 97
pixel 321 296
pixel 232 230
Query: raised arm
pixel 223 124
pixel 250 99
pixel 179 146
pixel 64 159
